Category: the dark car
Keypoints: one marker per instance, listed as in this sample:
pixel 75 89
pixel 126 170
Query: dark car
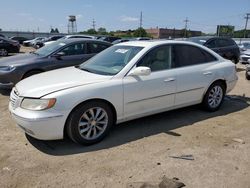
pixel 2 36
pixel 248 72
pixel 19 39
pixel 8 46
pixel 225 47
pixel 109 38
pixel 40 44
pixel 63 53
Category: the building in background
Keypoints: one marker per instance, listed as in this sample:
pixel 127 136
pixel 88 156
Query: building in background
pixel 163 33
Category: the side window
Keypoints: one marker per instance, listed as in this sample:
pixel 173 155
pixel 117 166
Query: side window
pixel 94 48
pixel 74 49
pixel 157 59
pixel 185 55
pixel 211 44
pixel 224 43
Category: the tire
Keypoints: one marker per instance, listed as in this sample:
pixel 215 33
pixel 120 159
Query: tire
pixel 90 123
pixel 31 73
pixel 247 75
pixel 214 97
pixel 3 52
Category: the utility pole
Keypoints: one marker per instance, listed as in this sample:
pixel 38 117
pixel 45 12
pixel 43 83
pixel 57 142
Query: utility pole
pixel 93 24
pixel 247 17
pixel 186 24
pixel 140 24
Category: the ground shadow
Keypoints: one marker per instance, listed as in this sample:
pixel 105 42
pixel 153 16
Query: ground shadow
pixel 5 92
pixel 131 131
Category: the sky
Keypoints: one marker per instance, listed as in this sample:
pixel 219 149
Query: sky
pixel 203 15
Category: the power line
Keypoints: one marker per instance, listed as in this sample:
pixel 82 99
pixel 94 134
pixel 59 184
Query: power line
pixel 247 17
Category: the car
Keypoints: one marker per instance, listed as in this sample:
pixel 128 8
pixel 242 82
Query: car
pixel 248 71
pixel 59 54
pixel 2 36
pixel 19 39
pixel 30 42
pixel 245 52
pixel 226 47
pixel 40 44
pixel 109 38
pixel 124 82
pixel 71 37
pixel 120 41
pixel 8 46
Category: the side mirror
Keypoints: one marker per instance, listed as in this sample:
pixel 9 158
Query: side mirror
pixel 58 55
pixel 140 71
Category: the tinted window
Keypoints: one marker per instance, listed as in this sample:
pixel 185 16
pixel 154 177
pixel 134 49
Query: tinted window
pixel 96 47
pixel 185 55
pixel 211 44
pixel 157 59
pixel 224 42
pixel 75 49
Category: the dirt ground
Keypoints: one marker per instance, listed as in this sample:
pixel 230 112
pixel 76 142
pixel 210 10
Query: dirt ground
pixel 138 151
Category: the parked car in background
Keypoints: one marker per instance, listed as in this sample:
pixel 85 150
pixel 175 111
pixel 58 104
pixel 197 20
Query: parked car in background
pixel 2 36
pixel 59 54
pixel 8 46
pixel 40 44
pixel 30 42
pixel 120 41
pixel 126 81
pixel 244 52
pixel 109 38
pixel 19 39
pixel 225 47
pixel 72 37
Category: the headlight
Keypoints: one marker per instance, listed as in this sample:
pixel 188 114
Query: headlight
pixel 37 104
pixel 6 68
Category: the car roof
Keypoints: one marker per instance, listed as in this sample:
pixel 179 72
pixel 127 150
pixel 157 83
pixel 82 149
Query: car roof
pixel 72 40
pixel 151 43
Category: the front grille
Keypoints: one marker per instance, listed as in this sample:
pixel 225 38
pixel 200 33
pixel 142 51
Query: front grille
pixel 14 98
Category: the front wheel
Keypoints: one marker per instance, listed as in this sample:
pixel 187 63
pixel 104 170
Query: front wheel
pixel 90 123
pixel 3 52
pixel 214 96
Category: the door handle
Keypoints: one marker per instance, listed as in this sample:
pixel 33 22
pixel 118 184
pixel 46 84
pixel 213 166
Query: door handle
pixel 207 73
pixel 169 80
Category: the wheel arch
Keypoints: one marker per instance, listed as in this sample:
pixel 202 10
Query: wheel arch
pixel 221 80
pixel 85 102
pixel 31 70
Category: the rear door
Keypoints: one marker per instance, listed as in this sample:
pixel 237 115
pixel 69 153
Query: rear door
pixel 194 73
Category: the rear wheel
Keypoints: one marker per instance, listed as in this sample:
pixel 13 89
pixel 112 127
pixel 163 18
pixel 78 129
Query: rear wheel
pixel 3 52
pixel 247 75
pixel 235 60
pixel 214 96
pixel 90 122
pixel 31 73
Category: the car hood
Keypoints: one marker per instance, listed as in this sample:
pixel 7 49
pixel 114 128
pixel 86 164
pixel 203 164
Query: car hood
pixel 49 82
pixel 18 59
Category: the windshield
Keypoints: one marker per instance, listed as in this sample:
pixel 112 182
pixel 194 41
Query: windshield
pixel 197 40
pixel 111 61
pixel 246 45
pixel 50 48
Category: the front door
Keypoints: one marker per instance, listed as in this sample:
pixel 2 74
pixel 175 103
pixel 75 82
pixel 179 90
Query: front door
pixel 155 92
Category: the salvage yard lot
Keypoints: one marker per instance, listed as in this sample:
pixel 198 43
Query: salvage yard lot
pixel 138 151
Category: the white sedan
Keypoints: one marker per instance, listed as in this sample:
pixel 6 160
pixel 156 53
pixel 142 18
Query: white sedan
pixel 124 82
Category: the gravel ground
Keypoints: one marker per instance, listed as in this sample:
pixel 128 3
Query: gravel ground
pixel 138 151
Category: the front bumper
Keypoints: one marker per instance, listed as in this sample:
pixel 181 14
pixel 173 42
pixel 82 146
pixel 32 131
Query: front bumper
pixel 244 58
pixel 9 79
pixel 43 125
